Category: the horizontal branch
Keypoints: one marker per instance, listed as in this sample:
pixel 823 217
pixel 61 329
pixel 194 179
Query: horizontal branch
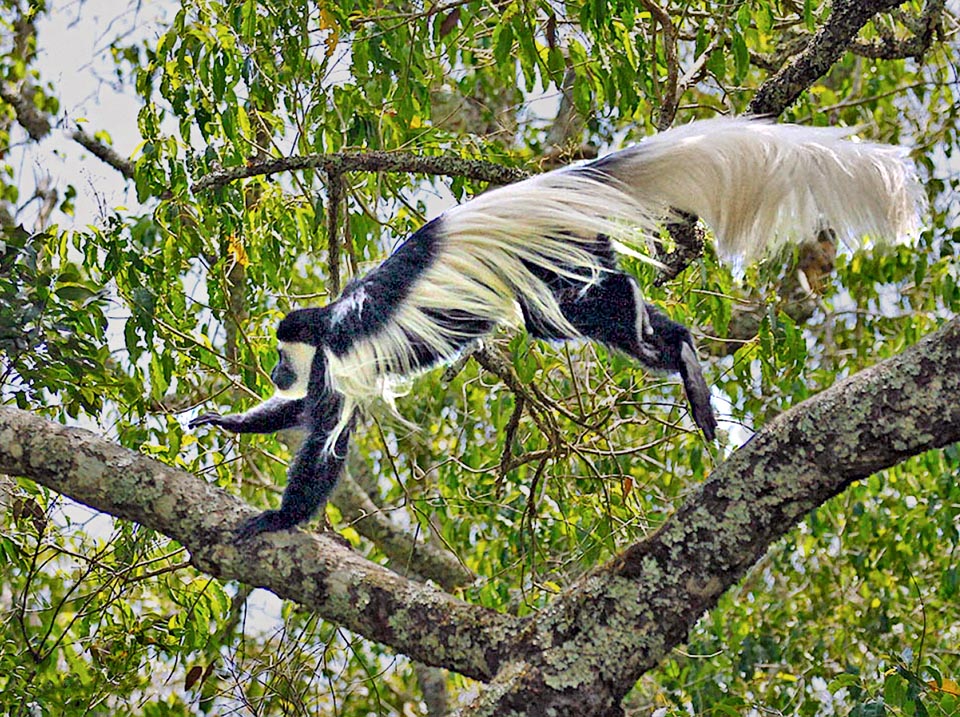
pixel 315 570
pixel 603 633
pixel 37 125
pixel 435 165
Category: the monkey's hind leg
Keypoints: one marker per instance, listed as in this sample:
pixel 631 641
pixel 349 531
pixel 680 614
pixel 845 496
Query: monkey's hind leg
pixel 613 313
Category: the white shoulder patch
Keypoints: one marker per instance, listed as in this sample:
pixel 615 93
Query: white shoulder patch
pixel 353 301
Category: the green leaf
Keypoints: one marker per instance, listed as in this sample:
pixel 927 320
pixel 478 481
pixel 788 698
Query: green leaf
pixel 74 292
pixel 503 43
pixel 741 56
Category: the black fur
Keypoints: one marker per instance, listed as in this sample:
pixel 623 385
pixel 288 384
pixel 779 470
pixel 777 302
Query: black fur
pixel 606 312
pixel 383 289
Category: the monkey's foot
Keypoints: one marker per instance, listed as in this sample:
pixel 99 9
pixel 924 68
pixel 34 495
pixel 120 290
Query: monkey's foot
pixel 270 521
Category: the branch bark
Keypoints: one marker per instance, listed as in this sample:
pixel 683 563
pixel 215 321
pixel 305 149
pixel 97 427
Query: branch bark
pixel 35 123
pixel 104 152
pixel 826 46
pixel 340 162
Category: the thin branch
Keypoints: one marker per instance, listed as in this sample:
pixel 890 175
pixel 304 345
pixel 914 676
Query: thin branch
pixel 419 558
pixel 334 198
pixel 509 434
pixel 38 126
pixel 688 235
pixel 103 152
pixel 437 165
pixel 826 46
pixel 669 98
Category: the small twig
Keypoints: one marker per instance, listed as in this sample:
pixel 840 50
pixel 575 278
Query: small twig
pixel 424 558
pixel 508 437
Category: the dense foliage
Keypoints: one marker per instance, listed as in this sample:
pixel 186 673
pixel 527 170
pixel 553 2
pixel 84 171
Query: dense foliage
pixel 131 320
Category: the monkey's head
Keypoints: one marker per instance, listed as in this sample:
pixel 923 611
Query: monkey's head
pixel 298 336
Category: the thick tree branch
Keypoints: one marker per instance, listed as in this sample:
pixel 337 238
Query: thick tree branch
pixel 603 633
pixel 338 163
pixel 826 46
pixel 315 570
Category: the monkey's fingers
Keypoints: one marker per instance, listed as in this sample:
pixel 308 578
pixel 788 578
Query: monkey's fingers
pixel 205 419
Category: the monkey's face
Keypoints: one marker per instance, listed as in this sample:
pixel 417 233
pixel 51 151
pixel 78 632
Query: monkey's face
pixel 291 375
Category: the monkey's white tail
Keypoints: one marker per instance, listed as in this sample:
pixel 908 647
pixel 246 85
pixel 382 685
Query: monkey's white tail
pixel 757 183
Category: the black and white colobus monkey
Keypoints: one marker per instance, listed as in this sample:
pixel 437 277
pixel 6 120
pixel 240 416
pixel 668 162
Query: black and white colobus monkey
pixel 546 246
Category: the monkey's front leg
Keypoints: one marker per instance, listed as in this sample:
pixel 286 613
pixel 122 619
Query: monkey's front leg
pixel 274 414
pixel 312 475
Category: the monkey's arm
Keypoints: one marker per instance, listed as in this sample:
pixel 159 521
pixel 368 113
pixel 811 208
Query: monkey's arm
pixel 274 414
pixel 312 474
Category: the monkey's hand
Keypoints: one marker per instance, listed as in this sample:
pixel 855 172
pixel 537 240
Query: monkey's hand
pixel 268 521
pixel 211 419
pixel 272 520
